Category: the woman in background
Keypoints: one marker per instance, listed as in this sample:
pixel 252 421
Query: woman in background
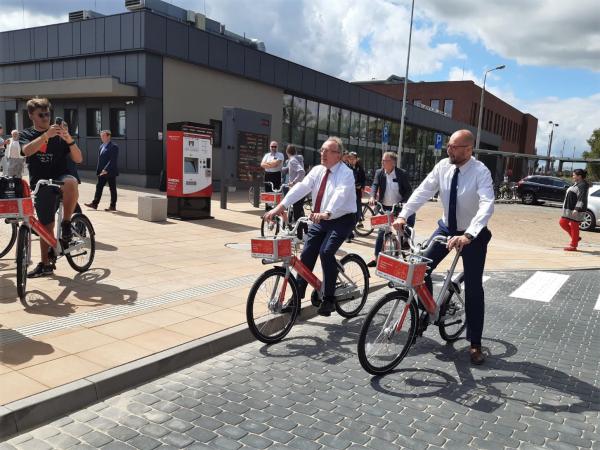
pixel 574 206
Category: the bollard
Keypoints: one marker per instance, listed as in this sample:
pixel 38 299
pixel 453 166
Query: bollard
pixel 223 194
pixel 256 199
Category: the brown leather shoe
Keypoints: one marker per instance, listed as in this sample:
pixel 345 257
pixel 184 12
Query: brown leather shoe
pixel 91 205
pixel 477 356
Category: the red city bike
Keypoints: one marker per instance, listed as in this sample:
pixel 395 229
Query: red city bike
pixel 273 301
pixel 80 250
pixel 398 318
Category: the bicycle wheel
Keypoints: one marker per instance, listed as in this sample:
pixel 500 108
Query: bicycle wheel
pixel 8 236
pixel 390 244
pixel 268 320
pixel 81 258
pixel 355 277
pixel 269 229
pixel 23 249
pixel 387 333
pixel 452 320
pixel 364 228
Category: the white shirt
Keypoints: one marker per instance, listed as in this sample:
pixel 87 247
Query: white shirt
pixel 270 157
pixel 339 197
pixel 14 149
pixel 392 190
pixel 475 194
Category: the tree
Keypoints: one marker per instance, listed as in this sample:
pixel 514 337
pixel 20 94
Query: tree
pixel 594 142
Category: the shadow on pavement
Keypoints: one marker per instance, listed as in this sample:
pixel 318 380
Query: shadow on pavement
pixel 106 247
pixel 224 225
pixel 22 350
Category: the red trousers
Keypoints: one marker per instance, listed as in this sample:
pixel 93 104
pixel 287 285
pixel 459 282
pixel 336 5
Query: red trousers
pixel 572 228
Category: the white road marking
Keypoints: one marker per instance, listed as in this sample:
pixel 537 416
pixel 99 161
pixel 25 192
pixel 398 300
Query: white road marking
pixel 541 286
pixel 597 307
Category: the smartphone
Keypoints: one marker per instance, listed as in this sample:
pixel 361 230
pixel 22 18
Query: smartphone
pixel 58 121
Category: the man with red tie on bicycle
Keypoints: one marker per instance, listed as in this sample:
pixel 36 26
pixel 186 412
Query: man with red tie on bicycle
pixel 333 216
pixel 467 194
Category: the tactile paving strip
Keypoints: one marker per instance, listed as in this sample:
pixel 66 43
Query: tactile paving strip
pixel 49 326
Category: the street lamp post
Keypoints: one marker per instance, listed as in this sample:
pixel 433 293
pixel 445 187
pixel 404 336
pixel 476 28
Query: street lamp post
pixel 553 124
pixel 478 139
pixel 401 140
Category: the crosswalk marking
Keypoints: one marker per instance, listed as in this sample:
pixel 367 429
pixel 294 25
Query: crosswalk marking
pixel 541 286
pixel 597 307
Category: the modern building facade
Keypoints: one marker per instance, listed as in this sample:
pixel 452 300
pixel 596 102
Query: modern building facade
pixel 460 101
pixel 138 71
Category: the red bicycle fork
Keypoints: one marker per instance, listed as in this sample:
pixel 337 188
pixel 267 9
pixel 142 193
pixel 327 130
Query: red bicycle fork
pixel 304 272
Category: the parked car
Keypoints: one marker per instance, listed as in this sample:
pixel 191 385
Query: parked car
pixel 591 218
pixel 540 187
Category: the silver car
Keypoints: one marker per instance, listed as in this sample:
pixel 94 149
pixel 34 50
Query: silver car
pixel 591 218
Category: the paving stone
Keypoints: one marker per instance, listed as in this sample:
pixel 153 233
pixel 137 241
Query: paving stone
pixel 225 443
pixel 231 432
pixel 122 433
pixel 177 440
pixel 62 441
pixel 201 434
pixel 77 429
pixel 335 442
pixel 96 439
pixel 154 430
pixel 34 444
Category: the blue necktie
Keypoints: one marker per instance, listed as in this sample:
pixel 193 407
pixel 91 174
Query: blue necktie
pixel 452 205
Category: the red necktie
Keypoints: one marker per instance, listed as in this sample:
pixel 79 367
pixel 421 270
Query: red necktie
pixel 321 192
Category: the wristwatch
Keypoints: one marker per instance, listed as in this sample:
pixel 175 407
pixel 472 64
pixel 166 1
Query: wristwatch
pixel 469 236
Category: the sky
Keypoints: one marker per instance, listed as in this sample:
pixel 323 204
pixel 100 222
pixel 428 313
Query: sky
pixel 551 48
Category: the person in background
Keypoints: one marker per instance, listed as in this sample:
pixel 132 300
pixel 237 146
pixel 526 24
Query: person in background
pixel 574 206
pixel 295 172
pixel 390 186
pixel 14 162
pixel 2 147
pixel 272 163
pixel 359 184
pixel 107 171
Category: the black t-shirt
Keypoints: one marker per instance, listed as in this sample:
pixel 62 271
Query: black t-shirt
pixel 51 161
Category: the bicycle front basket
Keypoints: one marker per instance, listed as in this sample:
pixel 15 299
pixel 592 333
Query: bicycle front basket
pixel 15 199
pixel 271 248
pixel 408 273
pixel 381 220
pixel 270 198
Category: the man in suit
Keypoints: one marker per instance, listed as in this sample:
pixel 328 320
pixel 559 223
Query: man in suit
pixel 107 171
pixel 467 195
pixel 390 187
pixel 333 216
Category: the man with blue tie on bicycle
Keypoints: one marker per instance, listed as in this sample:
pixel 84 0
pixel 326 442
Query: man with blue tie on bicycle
pixel 467 193
pixel 333 216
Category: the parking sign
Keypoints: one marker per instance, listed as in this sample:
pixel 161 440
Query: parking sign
pixel 439 137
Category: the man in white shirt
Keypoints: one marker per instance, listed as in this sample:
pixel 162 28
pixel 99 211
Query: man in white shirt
pixel 333 216
pixel 272 162
pixel 467 193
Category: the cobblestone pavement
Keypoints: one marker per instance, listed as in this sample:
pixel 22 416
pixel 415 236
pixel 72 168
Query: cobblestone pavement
pixel 539 388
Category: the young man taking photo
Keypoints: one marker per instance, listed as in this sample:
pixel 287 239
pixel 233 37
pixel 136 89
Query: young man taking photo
pixel 48 149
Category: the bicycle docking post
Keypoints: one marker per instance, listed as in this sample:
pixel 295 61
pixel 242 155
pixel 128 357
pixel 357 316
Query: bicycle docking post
pixel 256 184
pixel 224 189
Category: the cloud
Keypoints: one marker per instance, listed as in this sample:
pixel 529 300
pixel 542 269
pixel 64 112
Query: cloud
pixel 534 32
pixel 577 118
pixel 15 20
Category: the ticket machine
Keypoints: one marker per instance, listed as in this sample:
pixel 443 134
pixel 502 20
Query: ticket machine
pixel 189 170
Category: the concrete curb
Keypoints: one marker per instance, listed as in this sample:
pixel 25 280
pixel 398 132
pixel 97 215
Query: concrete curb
pixel 22 415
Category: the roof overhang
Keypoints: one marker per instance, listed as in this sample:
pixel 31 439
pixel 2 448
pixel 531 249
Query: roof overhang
pixel 68 88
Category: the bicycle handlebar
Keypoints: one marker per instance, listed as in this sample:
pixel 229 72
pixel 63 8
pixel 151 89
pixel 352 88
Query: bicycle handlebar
pixel 276 191
pixel 409 234
pixel 51 183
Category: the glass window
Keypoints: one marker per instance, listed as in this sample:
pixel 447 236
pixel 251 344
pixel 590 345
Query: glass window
pixel 334 121
pixel 345 123
pixel 596 193
pixel 118 122
pixel 363 127
pixel 10 122
pixel 395 133
pixel 312 111
pixel 354 125
pixel 72 119
pixel 323 118
pixel 26 120
pixel 372 130
pixel 94 122
pixel 287 108
pixel 299 113
pixel 448 106
pixel 435 104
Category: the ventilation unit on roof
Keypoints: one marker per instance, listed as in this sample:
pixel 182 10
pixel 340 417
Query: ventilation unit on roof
pixel 76 16
pixel 159 7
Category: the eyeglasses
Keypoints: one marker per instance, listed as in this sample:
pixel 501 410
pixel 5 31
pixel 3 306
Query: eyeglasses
pixel 273 146
pixel 451 146
pixel 41 115
pixel 324 150
pixel 386 160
